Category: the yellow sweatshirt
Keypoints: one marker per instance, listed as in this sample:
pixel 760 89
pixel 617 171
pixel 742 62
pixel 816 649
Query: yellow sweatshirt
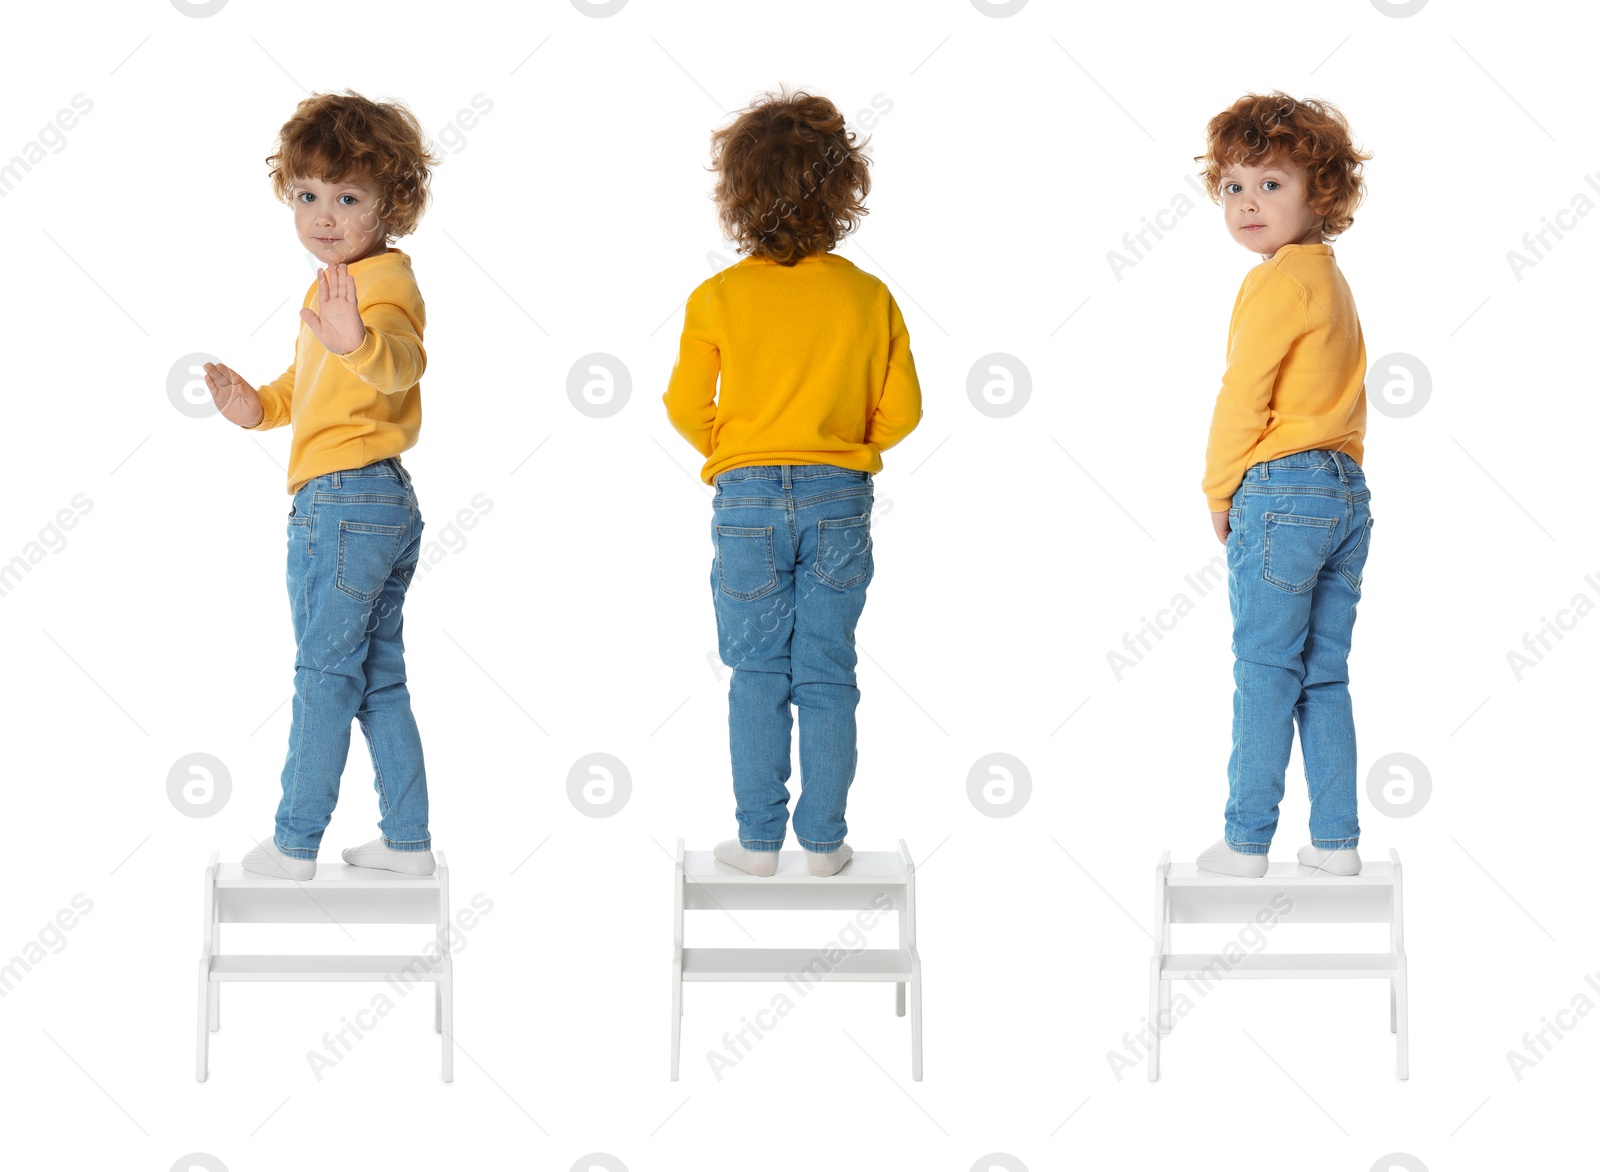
pixel 1296 370
pixel 815 363
pixel 351 410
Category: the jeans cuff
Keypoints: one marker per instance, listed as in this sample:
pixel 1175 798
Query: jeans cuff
pixel 760 844
pixel 1335 844
pixel 295 852
pixel 425 844
pixel 819 848
pixel 1247 848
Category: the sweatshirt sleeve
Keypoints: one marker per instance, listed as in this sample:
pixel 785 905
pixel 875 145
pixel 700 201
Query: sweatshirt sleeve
pixel 277 397
pixel 390 357
pixel 691 392
pixel 1268 316
pixel 899 408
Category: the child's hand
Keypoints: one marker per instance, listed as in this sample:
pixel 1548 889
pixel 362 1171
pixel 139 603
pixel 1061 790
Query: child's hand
pixel 236 399
pixel 1219 522
pixel 339 327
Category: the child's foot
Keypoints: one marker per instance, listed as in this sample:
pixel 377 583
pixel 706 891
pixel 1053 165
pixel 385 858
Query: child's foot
pixel 265 859
pixel 750 862
pixel 829 862
pixel 1342 862
pixel 375 854
pixel 1221 859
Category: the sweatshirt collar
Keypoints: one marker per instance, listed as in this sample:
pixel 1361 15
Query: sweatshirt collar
pixel 1312 249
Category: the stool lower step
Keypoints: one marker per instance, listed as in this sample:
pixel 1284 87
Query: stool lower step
pixel 1180 966
pixel 804 965
pixel 282 967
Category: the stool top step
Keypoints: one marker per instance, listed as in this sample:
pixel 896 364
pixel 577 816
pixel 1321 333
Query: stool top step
pixel 341 875
pixel 880 867
pixel 1373 874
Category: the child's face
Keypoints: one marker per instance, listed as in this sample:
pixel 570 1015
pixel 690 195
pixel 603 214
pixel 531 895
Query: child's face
pixel 1265 206
pixel 337 222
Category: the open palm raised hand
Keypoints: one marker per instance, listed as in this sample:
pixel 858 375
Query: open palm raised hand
pixel 236 399
pixel 337 324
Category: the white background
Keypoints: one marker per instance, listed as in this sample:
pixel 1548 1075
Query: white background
pixel 1012 555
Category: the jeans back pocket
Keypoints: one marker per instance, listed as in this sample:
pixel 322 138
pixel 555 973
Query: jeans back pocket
pixel 1295 548
pixel 744 561
pixel 844 551
pixel 366 557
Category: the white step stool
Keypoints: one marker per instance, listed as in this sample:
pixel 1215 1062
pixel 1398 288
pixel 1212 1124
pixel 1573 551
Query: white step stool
pixel 339 894
pixel 871 881
pixel 1187 895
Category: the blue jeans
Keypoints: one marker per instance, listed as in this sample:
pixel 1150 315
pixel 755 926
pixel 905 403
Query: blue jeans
pixel 789 577
pixel 1297 543
pixel 354 538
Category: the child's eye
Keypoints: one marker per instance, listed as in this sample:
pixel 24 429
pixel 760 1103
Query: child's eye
pixel 1228 187
pixel 347 196
pixel 304 195
pixel 1274 182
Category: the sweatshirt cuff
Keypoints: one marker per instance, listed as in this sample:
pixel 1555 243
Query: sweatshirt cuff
pixel 1219 506
pixel 368 347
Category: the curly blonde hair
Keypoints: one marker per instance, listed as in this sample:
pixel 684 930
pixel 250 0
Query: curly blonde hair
pixel 791 177
pixel 339 137
pixel 1275 128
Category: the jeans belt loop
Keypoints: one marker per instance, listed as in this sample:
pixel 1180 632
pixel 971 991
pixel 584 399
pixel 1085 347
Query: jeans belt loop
pixel 336 479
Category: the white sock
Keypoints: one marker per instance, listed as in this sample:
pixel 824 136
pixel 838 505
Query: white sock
pixel 829 862
pixel 1221 859
pixel 376 854
pixel 1341 862
pixel 750 862
pixel 266 859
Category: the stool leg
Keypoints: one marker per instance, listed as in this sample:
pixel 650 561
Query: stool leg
pixel 203 1032
pixel 1391 1006
pixel 1155 1019
pixel 1402 1032
pixel 899 998
pixel 677 1013
pixel 447 1070
pixel 214 1005
pixel 438 1005
pixel 1164 1012
pixel 916 1021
